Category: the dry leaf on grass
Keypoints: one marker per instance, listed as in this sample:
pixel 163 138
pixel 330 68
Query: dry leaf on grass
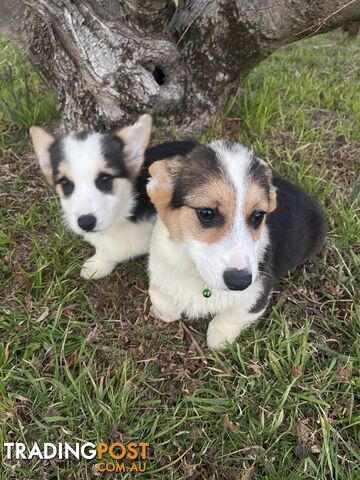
pixel 234 427
pixel 303 432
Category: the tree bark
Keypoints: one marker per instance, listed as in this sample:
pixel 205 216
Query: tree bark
pixel 109 61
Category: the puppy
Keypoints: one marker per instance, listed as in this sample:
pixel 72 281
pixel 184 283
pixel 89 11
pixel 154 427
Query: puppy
pixel 226 229
pixel 101 182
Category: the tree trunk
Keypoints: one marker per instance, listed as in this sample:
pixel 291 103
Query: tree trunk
pixel 110 60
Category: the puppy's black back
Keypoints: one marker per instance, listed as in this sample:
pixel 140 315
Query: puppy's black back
pixel 297 228
pixel 143 208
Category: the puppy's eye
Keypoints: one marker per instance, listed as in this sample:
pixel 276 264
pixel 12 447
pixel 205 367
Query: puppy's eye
pixel 104 182
pixel 210 217
pixel 66 185
pixel 104 178
pixel 205 214
pixel 256 219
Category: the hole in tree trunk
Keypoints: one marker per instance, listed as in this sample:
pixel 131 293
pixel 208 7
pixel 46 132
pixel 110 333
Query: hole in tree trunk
pixel 159 75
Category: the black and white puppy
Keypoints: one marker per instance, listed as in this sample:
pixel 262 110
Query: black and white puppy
pixel 226 229
pixel 101 182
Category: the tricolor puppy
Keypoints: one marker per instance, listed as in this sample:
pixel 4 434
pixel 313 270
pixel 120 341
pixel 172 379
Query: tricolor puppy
pixel 101 181
pixel 226 229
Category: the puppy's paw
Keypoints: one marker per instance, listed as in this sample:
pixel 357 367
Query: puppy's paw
pixel 215 336
pixel 161 306
pixel 164 316
pixel 223 329
pixel 96 267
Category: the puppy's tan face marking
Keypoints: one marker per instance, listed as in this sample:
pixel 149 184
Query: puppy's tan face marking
pixel 59 190
pixel 63 172
pixel 160 191
pixel 219 195
pixel 257 200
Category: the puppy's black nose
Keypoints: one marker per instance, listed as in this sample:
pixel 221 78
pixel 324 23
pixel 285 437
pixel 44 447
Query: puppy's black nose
pixel 87 222
pixel 237 279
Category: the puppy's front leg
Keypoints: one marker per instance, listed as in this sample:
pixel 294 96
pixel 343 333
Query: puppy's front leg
pixel 162 307
pixel 227 325
pixel 97 266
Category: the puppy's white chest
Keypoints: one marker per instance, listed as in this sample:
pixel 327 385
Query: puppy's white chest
pixel 198 300
pixel 122 240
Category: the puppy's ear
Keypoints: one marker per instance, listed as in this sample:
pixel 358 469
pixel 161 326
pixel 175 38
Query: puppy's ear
pixel 273 200
pixel 42 141
pixel 272 193
pixel 136 139
pixel 160 189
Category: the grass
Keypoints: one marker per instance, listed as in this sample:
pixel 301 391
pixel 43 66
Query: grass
pixel 83 361
pixel 25 98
